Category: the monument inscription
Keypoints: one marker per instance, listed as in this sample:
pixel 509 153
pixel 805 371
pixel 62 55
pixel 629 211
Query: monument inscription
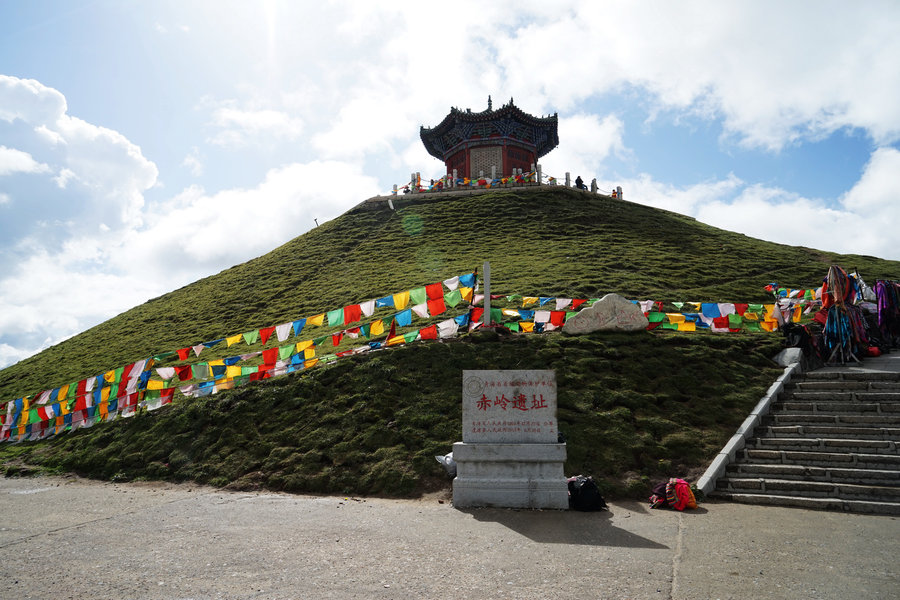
pixel 501 407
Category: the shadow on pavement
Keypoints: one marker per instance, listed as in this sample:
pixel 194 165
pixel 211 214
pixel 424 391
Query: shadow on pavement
pixel 564 527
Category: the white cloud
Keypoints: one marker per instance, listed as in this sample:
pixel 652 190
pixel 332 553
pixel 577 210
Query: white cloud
pixel 865 219
pixel 193 163
pixel 776 75
pixel 16 161
pixel 242 126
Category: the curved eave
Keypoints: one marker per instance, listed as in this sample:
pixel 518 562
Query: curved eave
pixel 548 124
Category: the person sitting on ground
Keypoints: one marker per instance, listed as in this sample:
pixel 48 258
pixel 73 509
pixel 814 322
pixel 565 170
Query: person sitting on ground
pixel 579 183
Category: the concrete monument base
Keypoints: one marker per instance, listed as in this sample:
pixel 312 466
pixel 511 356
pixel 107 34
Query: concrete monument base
pixel 510 475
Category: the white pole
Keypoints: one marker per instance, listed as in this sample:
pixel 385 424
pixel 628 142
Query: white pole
pixel 594 185
pixel 568 179
pixel 486 277
pixel 453 183
pixel 619 192
pixel 539 179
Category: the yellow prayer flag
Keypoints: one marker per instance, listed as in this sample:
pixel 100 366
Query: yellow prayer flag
pixel 751 316
pixel 316 320
pixel 675 317
pixel 529 300
pixel 401 299
pixel 104 410
pixel 397 339
pixel 216 363
pixel 527 326
pixel 687 326
pixel 310 363
pixel 377 328
pixel 154 384
pixel 301 346
pixel 695 305
pixel 770 312
pixel 769 325
pixel 466 293
pixel 798 312
pixel 63 390
pixel 104 394
pixel 233 339
pixel 309 353
pixel 511 312
pixel 227 384
pixel 109 376
pixel 232 371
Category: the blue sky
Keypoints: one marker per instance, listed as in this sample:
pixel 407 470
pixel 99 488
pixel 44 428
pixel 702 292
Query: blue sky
pixel 144 145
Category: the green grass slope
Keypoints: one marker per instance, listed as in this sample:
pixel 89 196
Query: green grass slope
pixel 633 407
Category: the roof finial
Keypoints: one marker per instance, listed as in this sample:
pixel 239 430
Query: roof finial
pixel 489 102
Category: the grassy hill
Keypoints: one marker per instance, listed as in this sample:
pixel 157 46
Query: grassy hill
pixel 633 407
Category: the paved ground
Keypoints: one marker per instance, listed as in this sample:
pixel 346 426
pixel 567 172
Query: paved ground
pixel 886 363
pixel 70 538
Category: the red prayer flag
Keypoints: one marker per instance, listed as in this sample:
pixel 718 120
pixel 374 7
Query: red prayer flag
pixel 428 333
pixel 434 291
pixel 558 317
pixel 336 338
pixel 436 306
pixel 265 333
pixel 577 303
pixel 184 372
pixel 270 356
pixel 741 308
pixel 477 313
pixel 721 322
pixel 183 353
pixel 352 313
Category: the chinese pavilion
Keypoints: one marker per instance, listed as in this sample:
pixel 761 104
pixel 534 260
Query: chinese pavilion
pixel 507 139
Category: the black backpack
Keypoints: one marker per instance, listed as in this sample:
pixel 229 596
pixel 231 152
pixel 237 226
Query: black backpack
pixel 584 494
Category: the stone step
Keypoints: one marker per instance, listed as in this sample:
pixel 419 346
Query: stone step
pixel 885 477
pixel 819 458
pixel 834 407
pixel 843 386
pixel 844 396
pixel 825 445
pixel 836 504
pixel 852 420
pixel 849 376
pixel 810 489
pixel 829 432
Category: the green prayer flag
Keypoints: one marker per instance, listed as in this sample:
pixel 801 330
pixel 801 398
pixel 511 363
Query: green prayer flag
pixel 364 330
pixel 452 298
pixel 251 337
pixel 752 327
pixel 496 315
pixel 735 320
pixel 656 317
pixel 755 308
pixel 418 296
pixel 164 355
pixel 678 305
pixel 286 351
pixel 411 336
pixel 336 317
pixel 668 325
pixel 514 326
pixel 33 416
pixel 248 370
pixel 570 314
pixel 321 340
pixel 200 371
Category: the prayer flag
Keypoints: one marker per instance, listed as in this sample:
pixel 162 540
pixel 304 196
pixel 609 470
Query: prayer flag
pixel 429 333
pixel 418 295
pixel 298 326
pixel 401 299
pixel 367 308
pixel 317 319
pixel 352 314
pixel 251 337
pixel 453 298
pixel 434 291
pixel 336 317
pixel 436 306
pixel 266 332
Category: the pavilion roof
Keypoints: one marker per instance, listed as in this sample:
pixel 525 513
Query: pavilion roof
pixel 508 122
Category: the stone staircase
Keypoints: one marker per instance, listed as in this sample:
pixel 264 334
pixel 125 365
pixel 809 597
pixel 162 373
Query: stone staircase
pixel 831 441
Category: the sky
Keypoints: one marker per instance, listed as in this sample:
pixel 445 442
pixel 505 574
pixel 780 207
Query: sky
pixel 145 145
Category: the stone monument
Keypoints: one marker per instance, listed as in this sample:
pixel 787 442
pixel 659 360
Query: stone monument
pixel 510 456
pixel 611 313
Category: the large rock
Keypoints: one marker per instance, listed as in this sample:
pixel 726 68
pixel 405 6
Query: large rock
pixel 610 313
